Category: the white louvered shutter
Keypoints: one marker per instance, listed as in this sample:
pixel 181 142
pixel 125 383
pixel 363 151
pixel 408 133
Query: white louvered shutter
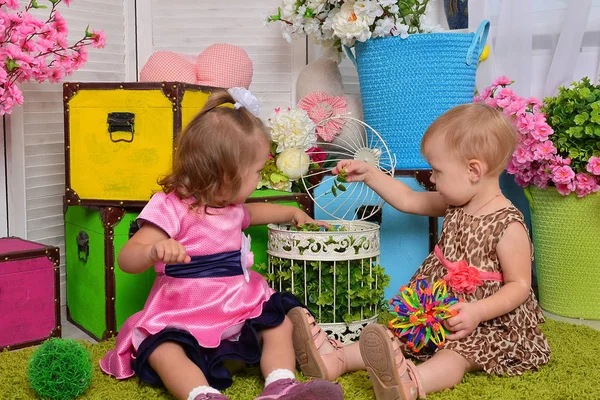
pixel 189 27
pixel 37 142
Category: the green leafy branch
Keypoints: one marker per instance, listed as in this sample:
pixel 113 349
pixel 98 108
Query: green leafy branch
pixel 338 183
pixel 574 115
pixel 358 283
pixel 313 227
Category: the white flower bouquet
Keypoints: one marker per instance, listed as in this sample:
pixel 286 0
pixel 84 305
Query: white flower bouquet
pixel 337 23
pixel 293 151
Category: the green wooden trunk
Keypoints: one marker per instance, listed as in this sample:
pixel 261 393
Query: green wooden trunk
pixel 259 233
pixel 100 297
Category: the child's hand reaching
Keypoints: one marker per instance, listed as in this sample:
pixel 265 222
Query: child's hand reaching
pixel 355 170
pixel 464 323
pixel 169 251
pixel 302 218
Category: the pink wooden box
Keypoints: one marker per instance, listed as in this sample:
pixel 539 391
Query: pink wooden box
pixel 29 293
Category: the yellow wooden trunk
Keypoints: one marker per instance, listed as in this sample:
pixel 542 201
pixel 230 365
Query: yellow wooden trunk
pixel 119 137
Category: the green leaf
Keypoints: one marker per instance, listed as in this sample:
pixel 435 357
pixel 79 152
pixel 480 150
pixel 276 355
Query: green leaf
pixel 575 131
pixel 275 17
pixel 589 129
pixel 11 64
pixel 555 120
pixel 580 119
pixel 34 4
pixel 585 93
pixel 573 153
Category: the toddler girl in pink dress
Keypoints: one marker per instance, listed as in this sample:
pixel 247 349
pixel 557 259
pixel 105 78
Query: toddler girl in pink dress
pixel 206 306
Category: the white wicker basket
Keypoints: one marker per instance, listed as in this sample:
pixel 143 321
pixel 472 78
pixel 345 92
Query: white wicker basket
pixel 335 273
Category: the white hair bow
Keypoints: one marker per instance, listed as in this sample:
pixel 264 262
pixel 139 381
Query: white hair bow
pixel 244 98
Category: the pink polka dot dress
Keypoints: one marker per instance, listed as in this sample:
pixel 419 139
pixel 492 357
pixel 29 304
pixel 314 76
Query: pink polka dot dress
pixel 208 310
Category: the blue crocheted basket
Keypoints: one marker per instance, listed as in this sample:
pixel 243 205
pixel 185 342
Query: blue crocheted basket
pixel 405 84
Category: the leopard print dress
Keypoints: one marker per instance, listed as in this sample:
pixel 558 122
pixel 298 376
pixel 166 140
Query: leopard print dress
pixel 512 343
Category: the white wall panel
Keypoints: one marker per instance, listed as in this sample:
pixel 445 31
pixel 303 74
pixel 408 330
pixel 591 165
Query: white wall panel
pixel 36 137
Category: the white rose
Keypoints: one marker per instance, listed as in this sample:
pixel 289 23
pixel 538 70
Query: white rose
pixel 292 128
pixel 350 26
pixel 294 163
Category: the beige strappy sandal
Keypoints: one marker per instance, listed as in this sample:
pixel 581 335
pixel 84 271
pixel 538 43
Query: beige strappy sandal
pixel 308 337
pixel 385 363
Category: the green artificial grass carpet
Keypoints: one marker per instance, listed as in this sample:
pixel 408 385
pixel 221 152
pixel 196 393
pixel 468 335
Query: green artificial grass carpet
pixel 573 373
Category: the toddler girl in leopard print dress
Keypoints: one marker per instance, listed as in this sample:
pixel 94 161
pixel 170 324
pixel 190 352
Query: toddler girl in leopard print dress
pixel 484 254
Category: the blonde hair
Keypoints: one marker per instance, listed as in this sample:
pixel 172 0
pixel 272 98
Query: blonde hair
pixel 213 150
pixel 475 131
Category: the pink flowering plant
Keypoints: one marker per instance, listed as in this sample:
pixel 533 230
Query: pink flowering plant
pixel 559 141
pixel 37 49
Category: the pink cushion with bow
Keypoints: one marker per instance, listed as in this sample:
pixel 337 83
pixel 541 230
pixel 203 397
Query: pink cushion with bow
pixel 224 65
pixel 219 65
pixel 168 66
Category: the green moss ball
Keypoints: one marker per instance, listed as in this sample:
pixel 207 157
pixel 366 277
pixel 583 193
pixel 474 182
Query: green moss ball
pixel 60 369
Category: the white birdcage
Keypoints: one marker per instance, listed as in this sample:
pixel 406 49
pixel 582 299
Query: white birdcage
pixel 336 274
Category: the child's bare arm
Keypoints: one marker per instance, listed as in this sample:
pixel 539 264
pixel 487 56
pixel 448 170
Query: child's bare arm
pixel 394 192
pixel 149 245
pixel 514 254
pixel 265 213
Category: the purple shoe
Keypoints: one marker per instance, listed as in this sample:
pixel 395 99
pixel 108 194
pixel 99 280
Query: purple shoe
pixel 211 396
pixel 291 389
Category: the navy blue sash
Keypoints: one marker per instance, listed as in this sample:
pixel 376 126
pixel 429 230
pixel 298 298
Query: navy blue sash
pixel 209 266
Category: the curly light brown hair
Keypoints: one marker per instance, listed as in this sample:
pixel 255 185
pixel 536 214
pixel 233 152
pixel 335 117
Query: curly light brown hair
pixel 213 150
